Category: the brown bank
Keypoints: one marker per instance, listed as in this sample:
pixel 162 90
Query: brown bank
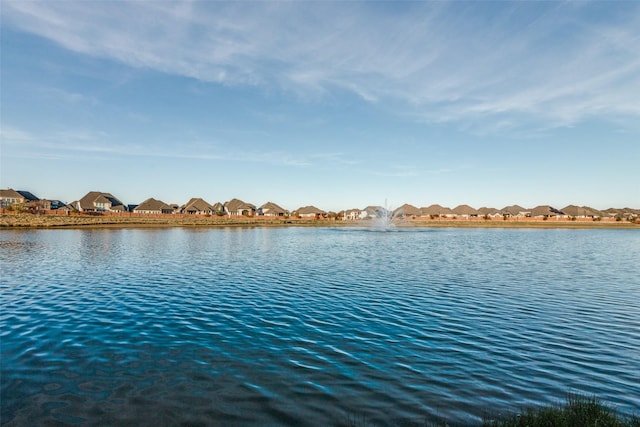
pixel 26 220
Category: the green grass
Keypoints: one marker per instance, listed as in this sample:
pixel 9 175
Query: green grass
pixel 578 411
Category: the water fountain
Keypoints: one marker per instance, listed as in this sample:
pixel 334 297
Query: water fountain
pixel 385 220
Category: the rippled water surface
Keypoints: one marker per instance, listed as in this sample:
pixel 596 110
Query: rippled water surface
pixel 313 326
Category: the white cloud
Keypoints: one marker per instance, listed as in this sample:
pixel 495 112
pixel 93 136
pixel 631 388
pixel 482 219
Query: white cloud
pixel 80 142
pixel 547 61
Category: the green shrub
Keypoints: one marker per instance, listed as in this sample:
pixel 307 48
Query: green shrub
pixel 578 411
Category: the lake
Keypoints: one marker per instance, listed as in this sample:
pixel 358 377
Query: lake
pixel 313 326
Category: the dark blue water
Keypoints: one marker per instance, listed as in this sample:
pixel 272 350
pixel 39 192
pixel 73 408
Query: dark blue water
pixel 313 326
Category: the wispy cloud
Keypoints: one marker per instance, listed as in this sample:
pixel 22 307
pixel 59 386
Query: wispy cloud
pixel 81 142
pixel 445 62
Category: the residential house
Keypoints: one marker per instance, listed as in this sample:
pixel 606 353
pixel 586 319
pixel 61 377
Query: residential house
pixel 621 213
pixel 310 212
pixel 271 209
pixel 239 208
pixel 97 201
pixel 58 204
pixel 218 208
pixel 573 211
pixel 489 212
pixel 10 197
pixel 436 210
pixel 28 196
pixel 547 211
pixel 407 210
pixel 353 214
pixel 515 211
pixel 153 206
pixel 465 211
pixel 197 206
pixel 373 212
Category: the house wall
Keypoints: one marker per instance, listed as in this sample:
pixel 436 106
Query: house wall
pixel 8 201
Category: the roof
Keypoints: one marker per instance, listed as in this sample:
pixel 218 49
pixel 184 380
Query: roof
pixel 573 210
pixel 375 211
pixel 513 209
pixel 488 211
pixel 272 207
pixel 152 204
pixel 235 205
pixel 545 210
pixel 464 210
pixel 87 202
pixel 306 210
pixel 10 194
pixel 436 210
pixel 28 195
pixel 407 209
pixel 197 204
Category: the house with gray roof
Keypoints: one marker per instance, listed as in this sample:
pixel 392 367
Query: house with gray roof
pixel 436 210
pixel 272 209
pixel 407 210
pixel 153 206
pixel 197 206
pixel 489 212
pixel 97 201
pixel 373 212
pixel 28 196
pixel 354 214
pixel 310 212
pixel 515 211
pixel 218 208
pixel 545 211
pixel 239 208
pixel 10 197
pixel 574 211
pixel 465 211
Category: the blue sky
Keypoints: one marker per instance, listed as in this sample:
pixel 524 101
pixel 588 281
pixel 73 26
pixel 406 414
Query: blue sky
pixel 336 104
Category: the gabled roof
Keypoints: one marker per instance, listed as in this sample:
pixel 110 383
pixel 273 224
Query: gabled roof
pixel 573 210
pixel 308 210
pixel 152 204
pixel 198 205
pixel 352 210
pixel 10 194
pixel 272 207
pixel 488 211
pixel 436 210
pixel 407 209
pixel 234 205
pixel 545 210
pixel 28 196
pixel 464 210
pixel 513 210
pixel 375 211
pixel 87 202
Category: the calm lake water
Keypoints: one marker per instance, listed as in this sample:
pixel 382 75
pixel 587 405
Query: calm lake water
pixel 313 326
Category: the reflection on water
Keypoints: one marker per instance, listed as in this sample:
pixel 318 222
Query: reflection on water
pixel 313 326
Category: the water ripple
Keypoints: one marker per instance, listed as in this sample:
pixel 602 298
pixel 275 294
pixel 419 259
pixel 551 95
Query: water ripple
pixel 312 326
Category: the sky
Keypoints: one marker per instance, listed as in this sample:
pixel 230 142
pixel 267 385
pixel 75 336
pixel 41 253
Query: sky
pixel 334 104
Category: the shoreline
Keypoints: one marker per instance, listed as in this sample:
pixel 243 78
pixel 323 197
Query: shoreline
pixel 45 221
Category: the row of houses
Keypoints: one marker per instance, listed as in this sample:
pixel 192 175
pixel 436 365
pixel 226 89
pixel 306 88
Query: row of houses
pixel 96 201
pixel 541 211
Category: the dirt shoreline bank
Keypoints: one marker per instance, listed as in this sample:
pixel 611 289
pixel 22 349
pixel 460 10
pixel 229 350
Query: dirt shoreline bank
pixel 21 221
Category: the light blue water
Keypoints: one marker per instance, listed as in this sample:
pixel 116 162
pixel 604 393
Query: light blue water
pixel 313 326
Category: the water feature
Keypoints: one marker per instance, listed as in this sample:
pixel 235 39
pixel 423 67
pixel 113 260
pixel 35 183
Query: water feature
pixel 313 326
pixel 385 220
